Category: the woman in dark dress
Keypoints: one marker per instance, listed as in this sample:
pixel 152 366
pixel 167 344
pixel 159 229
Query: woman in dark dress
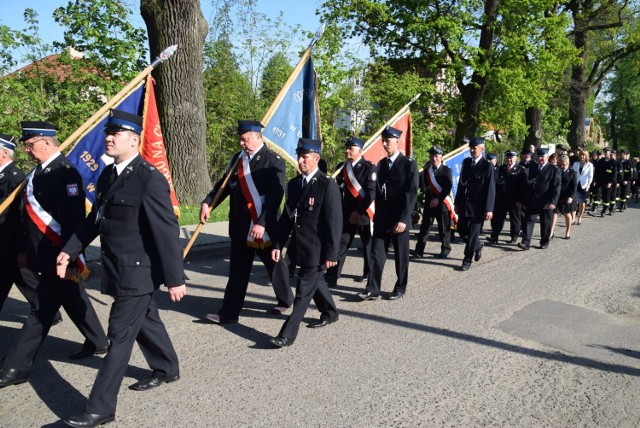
pixel 566 202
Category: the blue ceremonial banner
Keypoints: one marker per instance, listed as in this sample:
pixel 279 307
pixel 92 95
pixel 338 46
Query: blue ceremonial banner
pixel 294 112
pixel 88 154
pixel 455 163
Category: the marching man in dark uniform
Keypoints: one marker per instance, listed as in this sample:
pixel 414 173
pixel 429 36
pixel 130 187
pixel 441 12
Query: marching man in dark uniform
pixel 510 179
pixel 627 177
pixel 474 200
pixel 357 182
pixel 10 177
pixel 313 218
pixel 51 209
pixel 396 193
pixel 540 199
pixel 436 182
pixel 139 234
pixel 604 182
pixel 255 190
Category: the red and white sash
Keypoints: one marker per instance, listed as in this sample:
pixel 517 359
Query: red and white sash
pixel 48 225
pixel 255 203
pixel 355 188
pixel 436 189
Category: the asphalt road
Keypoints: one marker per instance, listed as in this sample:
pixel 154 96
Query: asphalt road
pixel 545 338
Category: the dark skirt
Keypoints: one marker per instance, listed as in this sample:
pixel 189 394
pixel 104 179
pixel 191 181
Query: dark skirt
pixel 565 208
pixel 581 196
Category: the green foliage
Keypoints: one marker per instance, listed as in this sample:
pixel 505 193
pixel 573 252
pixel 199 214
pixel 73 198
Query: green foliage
pixel 228 98
pixel 102 29
pixel 274 76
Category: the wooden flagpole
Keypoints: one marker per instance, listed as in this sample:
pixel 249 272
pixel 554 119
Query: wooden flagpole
pixel 97 116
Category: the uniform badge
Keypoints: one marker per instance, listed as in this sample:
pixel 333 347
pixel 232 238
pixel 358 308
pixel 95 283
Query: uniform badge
pixel 1 175
pixel 257 158
pixel 72 189
pixel 47 169
pixel 373 176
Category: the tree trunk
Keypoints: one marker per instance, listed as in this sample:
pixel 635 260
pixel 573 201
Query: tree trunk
pixel 180 91
pixel 473 92
pixel 534 122
pixel 578 95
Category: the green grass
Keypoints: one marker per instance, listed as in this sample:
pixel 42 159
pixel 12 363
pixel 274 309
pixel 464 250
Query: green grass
pixel 190 214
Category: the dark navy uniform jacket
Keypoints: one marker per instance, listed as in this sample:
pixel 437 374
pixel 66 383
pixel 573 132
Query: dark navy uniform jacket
pixel 396 193
pixel 313 218
pixel 543 187
pixel 268 172
pixel 509 185
pixel 10 178
pixel 59 190
pixel 444 178
pixel 364 172
pixel 138 232
pixel 476 188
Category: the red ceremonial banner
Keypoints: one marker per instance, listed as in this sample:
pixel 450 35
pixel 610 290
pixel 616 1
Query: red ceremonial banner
pixel 376 151
pixel 152 147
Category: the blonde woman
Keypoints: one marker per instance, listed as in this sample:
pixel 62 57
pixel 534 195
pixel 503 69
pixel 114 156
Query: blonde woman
pixel 584 168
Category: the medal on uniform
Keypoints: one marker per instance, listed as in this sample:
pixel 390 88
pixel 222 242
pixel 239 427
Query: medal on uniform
pixel 311 202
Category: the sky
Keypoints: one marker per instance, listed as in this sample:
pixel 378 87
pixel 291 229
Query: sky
pixel 296 12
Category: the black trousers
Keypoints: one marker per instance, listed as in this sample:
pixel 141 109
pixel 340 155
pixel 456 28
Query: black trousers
pixel 51 293
pixel 469 229
pixel 604 194
pixel 443 218
pixel 240 264
pixel 9 275
pixel 500 216
pixel 346 240
pixel 546 217
pixel 379 248
pixel 624 192
pixel 311 285
pixel 132 319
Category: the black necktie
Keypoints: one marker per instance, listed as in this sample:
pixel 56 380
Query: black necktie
pixel 112 176
pixel 38 170
pixel 389 163
pixel 304 182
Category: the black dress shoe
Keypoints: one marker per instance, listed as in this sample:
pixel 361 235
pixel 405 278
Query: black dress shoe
pixel 466 265
pixel 88 420
pixel 12 376
pixel 478 254
pixel 416 254
pixel 281 342
pixel 368 295
pixel 444 254
pixel 321 323
pixel 395 295
pixel 544 246
pixel 523 246
pixel 153 381
pixel 512 241
pixel 491 240
pixel 86 353
pixel 57 320
pixel 361 278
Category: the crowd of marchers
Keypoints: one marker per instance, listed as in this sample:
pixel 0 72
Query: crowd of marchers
pixel 44 233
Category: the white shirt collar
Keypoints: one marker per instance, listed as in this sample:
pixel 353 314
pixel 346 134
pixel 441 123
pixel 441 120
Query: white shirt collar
pixel 255 151
pixel 48 161
pixel 122 165
pixel 5 165
pixel 309 176
pixel 353 163
pixel 394 156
